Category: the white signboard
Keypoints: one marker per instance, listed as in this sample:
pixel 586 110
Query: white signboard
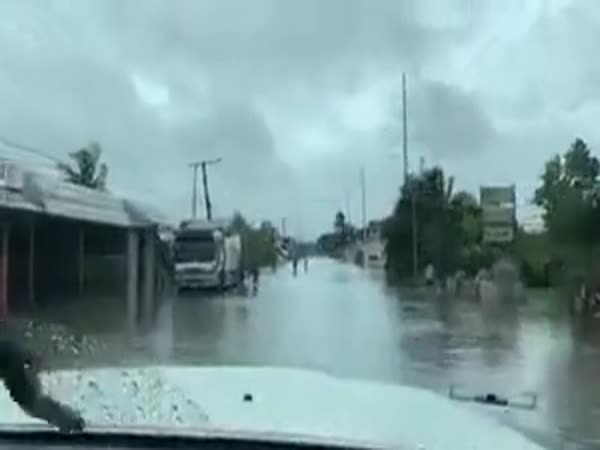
pixel 490 195
pixel 501 215
pixel 498 234
pixel 498 213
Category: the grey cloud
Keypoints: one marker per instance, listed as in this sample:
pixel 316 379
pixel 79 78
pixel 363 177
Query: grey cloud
pixel 448 121
pixel 251 173
pixel 267 44
pixel 65 78
pixel 572 37
pixel 554 64
pixel 232 130
pixel 59 110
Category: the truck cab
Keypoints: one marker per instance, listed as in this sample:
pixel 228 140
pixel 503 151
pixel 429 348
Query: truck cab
pixel 207 255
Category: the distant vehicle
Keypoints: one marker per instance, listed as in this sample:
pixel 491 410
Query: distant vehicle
pixel 166 234
pixel 207 255
pixel 373 247
pixel 283 247
pixel 374 251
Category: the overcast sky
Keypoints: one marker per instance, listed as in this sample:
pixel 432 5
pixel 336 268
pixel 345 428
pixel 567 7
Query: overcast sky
pixel 296 95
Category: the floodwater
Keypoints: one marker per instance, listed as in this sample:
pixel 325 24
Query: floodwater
pixel 343 320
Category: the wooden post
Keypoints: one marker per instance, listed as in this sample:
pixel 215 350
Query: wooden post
pixel 31 265
pixel 4 272
pixel 132 280
pixel 81 261
pixel 149 276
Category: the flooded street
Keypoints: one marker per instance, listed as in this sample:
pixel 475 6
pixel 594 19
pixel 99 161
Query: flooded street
pixel 344 321
pixel 191 143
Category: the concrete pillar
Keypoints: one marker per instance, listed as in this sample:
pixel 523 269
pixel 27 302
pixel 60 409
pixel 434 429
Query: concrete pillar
pixel 149 262
pixel 132 280
pixel 163 333
pixel 31 265
pixel 81 262
pixel 4 260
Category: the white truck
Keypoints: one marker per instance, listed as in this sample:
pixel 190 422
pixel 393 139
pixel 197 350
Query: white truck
pixel 207 255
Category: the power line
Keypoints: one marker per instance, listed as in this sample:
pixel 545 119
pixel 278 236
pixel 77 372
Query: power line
pixel 404 128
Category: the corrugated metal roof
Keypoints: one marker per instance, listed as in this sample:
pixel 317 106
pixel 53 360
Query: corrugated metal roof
pixel 16 200
pixel 77 202
pixel 143 214
pixel 48 194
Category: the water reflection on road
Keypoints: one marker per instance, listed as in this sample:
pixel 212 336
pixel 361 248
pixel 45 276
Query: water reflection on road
pixel 342 320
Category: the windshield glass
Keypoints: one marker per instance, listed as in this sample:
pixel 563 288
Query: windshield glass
pixel 325 213
pixel 195 249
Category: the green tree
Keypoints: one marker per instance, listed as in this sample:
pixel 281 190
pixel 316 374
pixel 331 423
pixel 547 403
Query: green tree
pixel 339 223
pixel 344 230
pixel 536 257
pixel 238 223
pixel 468 212
pixel 568 196
pixel 258 244
pixel 86 170
pixel 448 225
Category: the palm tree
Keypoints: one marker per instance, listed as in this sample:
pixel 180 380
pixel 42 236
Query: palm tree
pixel 86 170
pixel 339 223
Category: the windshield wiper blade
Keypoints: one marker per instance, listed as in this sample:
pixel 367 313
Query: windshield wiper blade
pixel 19 371
pixel 493 399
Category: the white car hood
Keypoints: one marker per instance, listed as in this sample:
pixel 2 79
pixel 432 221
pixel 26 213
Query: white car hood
pixel 284 401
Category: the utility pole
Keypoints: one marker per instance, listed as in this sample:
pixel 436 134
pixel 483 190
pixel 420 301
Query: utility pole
pixel 413 193
pixel 194 167
pixel 202 164
pixel 205 184
pixel 347 204
pixel 404 129
pixel 283 227
pixel 363 189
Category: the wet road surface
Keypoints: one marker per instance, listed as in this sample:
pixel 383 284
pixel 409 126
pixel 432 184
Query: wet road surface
pixel 342 320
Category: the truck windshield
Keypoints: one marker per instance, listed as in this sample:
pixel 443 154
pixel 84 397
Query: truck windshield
pixel 199 247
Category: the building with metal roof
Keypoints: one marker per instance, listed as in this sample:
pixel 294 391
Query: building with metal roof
pixel 28 190
pixel 68 219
